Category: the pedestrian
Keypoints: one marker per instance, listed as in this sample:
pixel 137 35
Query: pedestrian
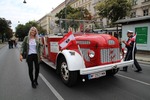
pixel 32 46
pixel 15 42
pixel 131 51
pixel 9 44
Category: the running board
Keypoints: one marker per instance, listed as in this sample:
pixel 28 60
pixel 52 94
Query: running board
pixel 46 61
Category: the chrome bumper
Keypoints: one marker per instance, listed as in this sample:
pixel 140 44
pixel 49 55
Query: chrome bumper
pixel 95 69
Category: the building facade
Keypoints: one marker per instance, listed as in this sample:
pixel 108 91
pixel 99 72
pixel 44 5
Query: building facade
pixel 139 8
pixel 44 23
pixel 47 22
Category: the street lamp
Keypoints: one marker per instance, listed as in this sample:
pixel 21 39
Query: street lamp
pixel 24 1
pixel 66 15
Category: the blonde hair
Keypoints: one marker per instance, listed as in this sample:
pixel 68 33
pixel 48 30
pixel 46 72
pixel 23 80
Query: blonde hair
pixel 36 35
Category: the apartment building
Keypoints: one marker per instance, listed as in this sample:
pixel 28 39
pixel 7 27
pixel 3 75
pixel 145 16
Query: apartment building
pixel 49 19
pixel 44 23
pixel 82 3
pixel 140 8
pixel 57 10
pixel 47 22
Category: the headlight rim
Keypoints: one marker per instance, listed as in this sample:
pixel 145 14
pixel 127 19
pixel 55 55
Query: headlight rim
pixel 91 53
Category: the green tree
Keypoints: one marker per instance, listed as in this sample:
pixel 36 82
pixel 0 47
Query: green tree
pixel 23 30
pixel 63 15
pixel 41 30
pixel 9 33
pixel 20 31
pixel 79 14
pixel 72 14
pixel 4 27
pixel 114 9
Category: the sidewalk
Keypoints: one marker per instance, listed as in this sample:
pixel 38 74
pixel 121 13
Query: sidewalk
pixel 3 44
pixel 141 56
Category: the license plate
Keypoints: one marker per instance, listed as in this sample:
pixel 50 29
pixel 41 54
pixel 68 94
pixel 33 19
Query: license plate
pixel 96 75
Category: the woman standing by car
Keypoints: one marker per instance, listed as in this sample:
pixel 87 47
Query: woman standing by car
pixel 31 45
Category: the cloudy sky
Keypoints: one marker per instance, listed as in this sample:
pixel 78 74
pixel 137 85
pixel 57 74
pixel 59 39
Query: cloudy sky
pixel 18 12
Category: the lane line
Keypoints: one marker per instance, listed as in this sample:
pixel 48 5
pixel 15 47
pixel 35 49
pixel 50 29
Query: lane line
pixel 51 87
pixel 148 84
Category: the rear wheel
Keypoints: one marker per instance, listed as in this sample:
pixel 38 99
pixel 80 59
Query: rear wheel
pixel 68 77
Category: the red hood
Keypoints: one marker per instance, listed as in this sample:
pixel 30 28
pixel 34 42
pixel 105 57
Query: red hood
pixel 100 39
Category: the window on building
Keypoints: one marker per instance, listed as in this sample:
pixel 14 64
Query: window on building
pixel 133 14
pixel 145 12
pixel 134 2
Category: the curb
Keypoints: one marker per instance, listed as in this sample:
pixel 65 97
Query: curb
pixel 143 61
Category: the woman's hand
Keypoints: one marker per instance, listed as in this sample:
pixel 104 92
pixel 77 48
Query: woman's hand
pixel 21 57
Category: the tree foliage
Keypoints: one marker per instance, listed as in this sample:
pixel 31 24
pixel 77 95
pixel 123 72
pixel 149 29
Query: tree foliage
pixel 72 14
pixel 114 9
pixel 5 25
pixel 22 30
pixel 5 28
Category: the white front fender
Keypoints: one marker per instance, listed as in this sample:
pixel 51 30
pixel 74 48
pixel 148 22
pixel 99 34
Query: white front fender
pixel 73 59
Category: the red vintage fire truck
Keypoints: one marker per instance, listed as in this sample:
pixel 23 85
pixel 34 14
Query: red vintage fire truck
pixel 97 55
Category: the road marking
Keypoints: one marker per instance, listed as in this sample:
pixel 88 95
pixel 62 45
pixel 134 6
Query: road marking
pixel 133 79
pixel 51 87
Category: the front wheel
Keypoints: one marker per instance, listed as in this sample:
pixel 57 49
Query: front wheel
pixel 69 78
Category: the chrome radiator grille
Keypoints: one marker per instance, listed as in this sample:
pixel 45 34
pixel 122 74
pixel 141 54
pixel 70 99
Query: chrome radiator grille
pixel 109 55
pixel 85 54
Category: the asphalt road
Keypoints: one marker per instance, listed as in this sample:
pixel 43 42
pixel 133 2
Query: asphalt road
pixel 15 83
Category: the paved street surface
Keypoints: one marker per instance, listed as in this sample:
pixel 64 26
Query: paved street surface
pixel 15 83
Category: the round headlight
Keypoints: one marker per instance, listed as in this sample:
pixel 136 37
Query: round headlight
pixel 91 53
